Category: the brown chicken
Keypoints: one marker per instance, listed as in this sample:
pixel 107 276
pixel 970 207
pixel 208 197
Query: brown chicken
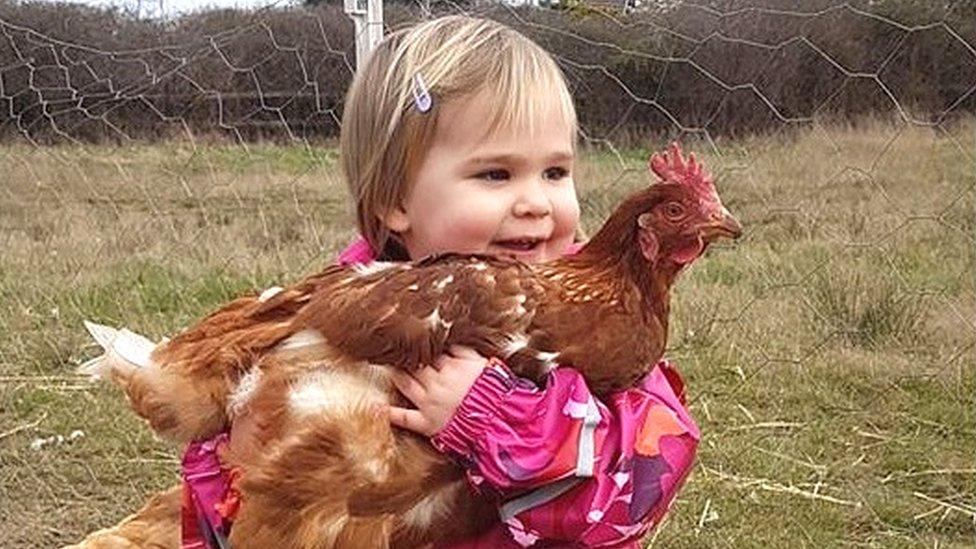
pixel 155 526
pixel 306 368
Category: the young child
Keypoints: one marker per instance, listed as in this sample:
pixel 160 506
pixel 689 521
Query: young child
pixel 459 136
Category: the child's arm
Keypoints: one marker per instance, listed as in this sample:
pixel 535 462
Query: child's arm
pixel 566 466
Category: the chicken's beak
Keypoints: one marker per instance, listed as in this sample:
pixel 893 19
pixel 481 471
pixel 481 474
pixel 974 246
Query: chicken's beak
pixel 722 224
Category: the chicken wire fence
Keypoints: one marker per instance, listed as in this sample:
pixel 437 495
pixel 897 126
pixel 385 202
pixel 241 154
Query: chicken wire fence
pixel 153 169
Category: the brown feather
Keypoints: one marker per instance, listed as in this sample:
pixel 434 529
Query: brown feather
pixel 155 526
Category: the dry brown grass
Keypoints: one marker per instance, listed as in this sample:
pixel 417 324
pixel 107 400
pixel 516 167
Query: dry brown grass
pixel 829 354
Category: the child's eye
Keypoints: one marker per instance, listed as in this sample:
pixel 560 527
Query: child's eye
pixel 493 175
pixel 556 173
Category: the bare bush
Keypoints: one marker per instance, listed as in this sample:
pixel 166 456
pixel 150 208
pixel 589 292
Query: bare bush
pixel 721 67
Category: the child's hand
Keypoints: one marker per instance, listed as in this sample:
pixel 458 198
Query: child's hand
pixel 436 390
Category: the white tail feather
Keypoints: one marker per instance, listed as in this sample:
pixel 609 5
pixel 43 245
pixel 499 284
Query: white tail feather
pixel 123 350
pixel 269 293
pixel 301 340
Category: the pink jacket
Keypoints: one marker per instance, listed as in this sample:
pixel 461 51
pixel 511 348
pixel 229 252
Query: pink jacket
pixel 566 469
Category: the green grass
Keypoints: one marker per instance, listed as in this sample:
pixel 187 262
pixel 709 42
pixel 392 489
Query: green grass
pixel 829 354
pixel 871 313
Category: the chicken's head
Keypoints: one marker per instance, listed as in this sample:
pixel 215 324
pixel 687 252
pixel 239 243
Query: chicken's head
pixel 683 211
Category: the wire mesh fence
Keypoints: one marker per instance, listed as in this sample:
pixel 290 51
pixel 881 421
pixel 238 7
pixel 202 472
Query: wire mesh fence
pixel 151 170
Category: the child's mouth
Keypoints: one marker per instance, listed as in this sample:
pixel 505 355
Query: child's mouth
pixel 519 244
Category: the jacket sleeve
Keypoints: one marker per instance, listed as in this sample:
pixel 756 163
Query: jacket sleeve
pixel 565 466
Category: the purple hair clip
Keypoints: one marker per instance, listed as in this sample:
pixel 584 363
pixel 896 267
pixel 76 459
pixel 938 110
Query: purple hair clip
pixel 421 97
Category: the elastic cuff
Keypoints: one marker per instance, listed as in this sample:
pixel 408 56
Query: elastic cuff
pixel 475 412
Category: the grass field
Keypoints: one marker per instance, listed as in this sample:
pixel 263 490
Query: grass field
pixel 829 354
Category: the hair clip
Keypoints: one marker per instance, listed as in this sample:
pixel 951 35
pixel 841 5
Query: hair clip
pixel 421 97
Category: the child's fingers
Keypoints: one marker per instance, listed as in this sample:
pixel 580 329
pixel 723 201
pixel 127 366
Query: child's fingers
pixel 409 386
pixel 411 420
pixel 441 362
pixel 460 351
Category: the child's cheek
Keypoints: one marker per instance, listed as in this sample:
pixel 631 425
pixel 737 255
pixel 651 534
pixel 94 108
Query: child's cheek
pixel 568 211
pixel 471 230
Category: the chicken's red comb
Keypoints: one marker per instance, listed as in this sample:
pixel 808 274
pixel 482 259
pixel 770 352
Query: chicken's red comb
pixel 672 167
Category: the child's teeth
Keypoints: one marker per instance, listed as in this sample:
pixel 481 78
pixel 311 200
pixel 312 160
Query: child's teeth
pixel 521 245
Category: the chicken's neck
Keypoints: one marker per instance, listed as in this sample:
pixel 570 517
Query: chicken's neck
pixel 624 268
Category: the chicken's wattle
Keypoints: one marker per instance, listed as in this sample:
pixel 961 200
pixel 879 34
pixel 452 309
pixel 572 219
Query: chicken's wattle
pixel 690 251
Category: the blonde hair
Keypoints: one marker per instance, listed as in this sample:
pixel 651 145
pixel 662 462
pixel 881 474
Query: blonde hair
pixel 384 136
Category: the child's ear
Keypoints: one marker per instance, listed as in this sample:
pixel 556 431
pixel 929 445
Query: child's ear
pixel 396 220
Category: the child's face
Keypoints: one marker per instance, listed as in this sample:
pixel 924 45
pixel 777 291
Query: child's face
pixel 508 194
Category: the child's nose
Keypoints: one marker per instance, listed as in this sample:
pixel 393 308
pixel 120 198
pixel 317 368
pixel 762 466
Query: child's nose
pixel 533 201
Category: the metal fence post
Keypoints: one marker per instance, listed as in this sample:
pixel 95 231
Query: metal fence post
pixel 367 15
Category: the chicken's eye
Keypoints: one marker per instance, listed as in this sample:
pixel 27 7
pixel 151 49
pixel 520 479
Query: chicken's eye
pixel 674 210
